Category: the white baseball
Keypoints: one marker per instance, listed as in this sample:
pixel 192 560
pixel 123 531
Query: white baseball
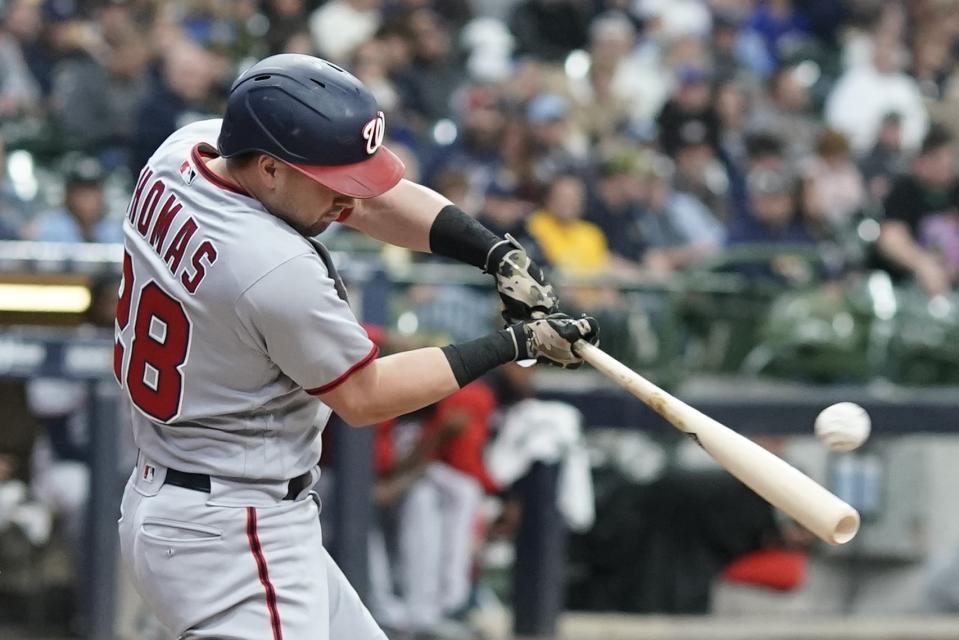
pixel 843 426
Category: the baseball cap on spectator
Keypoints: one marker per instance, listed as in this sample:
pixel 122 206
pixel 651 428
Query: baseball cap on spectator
pixel 690 75
pixel 502 187
pixel 547 107
pixel 892 117
pixel 768 182
pixel 59 10
pixel 84 171
pixel 726 20
pixel 936 138
pixel 627 161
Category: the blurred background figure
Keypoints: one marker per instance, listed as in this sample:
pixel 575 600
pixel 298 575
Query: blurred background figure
pixel 340 26
pixel 182 93
pixel 571 244
pixel 14 211
pixel 431 479
pixel 886 160
pixel 677 228
pixel 867 92
pixel 834 189
pixel 774 210
pixel 19 90
pixel 83 216
pixel 920 233
pixel 787 110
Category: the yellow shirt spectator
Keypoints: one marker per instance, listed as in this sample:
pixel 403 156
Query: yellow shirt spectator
pixel 572 245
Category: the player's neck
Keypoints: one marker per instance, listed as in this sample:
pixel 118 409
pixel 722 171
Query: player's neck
pixel 221 168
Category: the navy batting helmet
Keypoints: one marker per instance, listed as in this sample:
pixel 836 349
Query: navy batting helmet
pixel 315 117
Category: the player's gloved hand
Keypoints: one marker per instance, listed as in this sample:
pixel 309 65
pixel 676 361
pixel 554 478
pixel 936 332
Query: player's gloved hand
pixel 550 339
pixel 520 281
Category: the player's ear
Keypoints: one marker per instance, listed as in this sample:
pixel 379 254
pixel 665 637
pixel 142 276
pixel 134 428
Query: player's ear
pixel 266 166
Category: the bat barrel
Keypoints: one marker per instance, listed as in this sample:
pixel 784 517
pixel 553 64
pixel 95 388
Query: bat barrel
pixel 778 482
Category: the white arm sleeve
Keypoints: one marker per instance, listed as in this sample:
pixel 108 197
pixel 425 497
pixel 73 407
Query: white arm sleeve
pixel 311 334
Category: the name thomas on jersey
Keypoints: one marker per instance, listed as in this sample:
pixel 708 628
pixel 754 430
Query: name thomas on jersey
pixel 154 223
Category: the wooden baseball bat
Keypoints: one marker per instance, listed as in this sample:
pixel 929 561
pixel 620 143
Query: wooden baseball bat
pixel 778 482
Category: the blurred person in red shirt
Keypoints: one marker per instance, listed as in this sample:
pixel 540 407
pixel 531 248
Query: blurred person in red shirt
pixel 431 481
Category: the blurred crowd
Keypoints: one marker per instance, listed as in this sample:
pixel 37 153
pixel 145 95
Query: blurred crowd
pixel 610 136
pixel 623 138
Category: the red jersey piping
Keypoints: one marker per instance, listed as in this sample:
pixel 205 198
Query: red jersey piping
pixel 329 386
pixel 198 154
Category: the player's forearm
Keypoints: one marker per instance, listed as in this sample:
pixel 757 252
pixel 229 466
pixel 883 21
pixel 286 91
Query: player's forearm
pixel 404 382
pixel 418 218
pixel 402 216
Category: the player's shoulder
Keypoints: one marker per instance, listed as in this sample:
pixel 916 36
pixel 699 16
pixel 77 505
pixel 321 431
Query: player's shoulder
pixel 181 141
pixel 279 261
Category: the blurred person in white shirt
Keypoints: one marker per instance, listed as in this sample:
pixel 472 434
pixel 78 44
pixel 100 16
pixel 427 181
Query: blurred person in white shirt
pixel 864 94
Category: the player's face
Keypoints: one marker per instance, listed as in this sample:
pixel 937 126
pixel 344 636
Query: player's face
pixel 305 204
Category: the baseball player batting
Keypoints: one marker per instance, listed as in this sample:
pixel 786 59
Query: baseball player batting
pixel 234 340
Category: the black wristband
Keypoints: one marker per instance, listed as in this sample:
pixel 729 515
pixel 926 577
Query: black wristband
pixel 454 234
pixel 472 359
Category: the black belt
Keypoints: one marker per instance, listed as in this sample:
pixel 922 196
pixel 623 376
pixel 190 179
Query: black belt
pixel 201 482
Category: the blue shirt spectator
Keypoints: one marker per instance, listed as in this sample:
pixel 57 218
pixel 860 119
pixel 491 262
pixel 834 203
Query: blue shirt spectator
pixel 773 215
pixel 83 215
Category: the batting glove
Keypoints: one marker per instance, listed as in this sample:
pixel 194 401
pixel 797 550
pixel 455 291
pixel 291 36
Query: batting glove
pixel 550 340
pixel 520 281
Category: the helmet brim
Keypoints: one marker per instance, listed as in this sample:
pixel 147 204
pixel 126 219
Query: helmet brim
pixel 367 179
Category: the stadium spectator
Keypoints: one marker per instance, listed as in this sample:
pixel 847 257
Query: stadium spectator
pixel 554 143
pixel 549 29
pixel 613 205
pixel 780 25
pixel 866 93
pixel 504 211
pixel 774 212
pixel 787 111
pixel 932 61
pixel 834 189
pixel 886 161
pixel 92 103
pixel 920 232
pixel 183 93
pixel 476 149
pixel 625 82
pixel 733 106
pixel 371 66
pixel 287 19
pixel 83 217
pixel 572 245
pixel 431 478
pixel 690 112
pixel 699 173
pixel 13 209
pixel 340 26
pixel 434 73
pixel 19 92
pixel 737 50
pixel 677 228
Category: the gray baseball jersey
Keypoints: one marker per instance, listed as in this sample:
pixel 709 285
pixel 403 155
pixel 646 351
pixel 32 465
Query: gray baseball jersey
pixel 228 325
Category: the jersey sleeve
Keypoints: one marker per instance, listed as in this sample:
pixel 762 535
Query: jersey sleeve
pixel 307 330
